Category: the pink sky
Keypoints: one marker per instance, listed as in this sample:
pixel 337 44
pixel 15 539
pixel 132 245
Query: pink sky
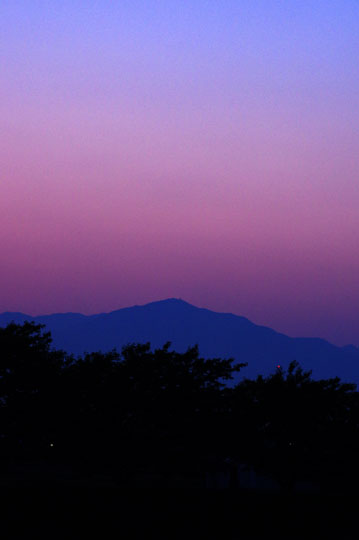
pixel 210 153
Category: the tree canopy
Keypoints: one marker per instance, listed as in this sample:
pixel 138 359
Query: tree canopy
pixel 163 412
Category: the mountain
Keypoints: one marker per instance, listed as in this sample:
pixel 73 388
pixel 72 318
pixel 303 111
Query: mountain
pixel 217 334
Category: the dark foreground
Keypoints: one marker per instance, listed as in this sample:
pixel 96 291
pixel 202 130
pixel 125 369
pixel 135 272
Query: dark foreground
pixel 146 443
pixel 112 513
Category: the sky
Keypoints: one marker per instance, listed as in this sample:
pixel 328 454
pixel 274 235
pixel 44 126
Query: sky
pixel 203 150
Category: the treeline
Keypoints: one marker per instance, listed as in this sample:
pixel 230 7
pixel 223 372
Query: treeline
pixel 162 413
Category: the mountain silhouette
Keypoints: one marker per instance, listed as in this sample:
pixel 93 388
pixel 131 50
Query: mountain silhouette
pixel 217 335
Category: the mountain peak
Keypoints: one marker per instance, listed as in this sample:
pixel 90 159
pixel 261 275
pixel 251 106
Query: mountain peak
pixel 166 302
pixel 184 325
pixel 172 301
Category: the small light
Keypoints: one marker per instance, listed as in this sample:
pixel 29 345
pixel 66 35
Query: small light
pixel 279 366
pixel 51 444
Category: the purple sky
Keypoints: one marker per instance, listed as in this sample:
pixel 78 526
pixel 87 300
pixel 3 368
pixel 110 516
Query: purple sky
pixel 205 150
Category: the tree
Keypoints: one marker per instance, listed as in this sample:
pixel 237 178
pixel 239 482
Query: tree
pixel 29 377
pixel 294 427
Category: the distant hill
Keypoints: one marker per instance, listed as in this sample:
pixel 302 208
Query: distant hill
pixel 217 334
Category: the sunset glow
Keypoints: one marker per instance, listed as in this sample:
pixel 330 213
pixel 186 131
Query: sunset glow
pixel 201 150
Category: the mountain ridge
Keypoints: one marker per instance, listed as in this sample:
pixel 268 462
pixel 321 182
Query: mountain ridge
pixel 183 324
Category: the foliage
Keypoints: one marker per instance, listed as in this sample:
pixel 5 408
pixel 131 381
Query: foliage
pixel 162 411
pixel 296 427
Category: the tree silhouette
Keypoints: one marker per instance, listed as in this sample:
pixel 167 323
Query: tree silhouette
pixel 29 377
pixel 294 427
pixel 159 412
